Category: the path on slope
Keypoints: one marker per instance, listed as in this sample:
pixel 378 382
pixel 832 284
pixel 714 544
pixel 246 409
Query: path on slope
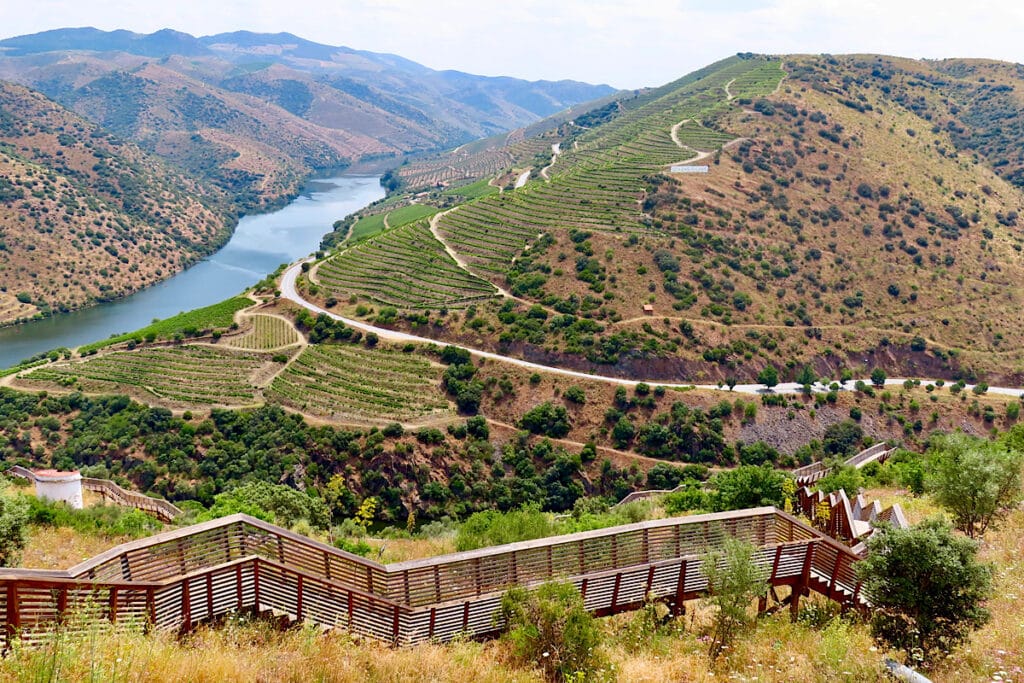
pixel 290 292
pixel 556 149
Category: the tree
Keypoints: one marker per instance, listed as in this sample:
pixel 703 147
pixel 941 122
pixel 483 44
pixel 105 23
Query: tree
pixel 878 377
pixel 13 523
pixel 769 376
pixel 842 438
pixel 748 486
pixel 547 419
pixel 552 629
pixel 977 481
pixel 806 376
pixel 733 583
pixel 926 587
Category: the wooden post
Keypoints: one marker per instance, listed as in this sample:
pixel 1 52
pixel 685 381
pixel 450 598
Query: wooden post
pixel 615 591
pixel 112 605
pixel 583 590
pixel 13 611
pixel 256 584
pixel 186 607
pixel 476 575
pixel 62 604
pixel 437 584
pixel 298 599
pixel 680 589
pixel 327 566
pixel 209 596
pixel 351 611
pixel 394 625
pixel 650 581
pixel 238 587
pixel 465 616
pixel 433 620
pixel 645 546
pixel 775 564
pixel 150 607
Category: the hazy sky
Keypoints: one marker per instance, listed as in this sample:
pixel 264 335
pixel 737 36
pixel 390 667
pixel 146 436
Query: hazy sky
pixel 625 44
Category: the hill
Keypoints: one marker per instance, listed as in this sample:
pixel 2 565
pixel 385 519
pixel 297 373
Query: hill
pixel 86 217
pixel 856 212
pixel 256 112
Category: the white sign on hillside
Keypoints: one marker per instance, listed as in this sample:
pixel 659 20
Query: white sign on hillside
pixel 689 169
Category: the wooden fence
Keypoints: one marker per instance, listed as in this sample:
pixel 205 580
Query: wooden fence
pixel 175 579
pixel 113 493
pixel 808 474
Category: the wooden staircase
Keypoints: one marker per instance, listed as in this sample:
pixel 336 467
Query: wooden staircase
pixel 174 580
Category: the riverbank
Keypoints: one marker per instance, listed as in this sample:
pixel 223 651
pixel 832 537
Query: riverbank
pixel 259 244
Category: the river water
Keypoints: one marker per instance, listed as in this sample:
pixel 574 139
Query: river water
pixel 258 246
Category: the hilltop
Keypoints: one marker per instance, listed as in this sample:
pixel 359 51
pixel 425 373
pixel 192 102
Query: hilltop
pixel 86 217
pixel 856 212
pixel 256 113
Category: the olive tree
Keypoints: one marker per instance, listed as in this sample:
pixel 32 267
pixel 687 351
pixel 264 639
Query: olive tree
pixel 927 589
pixel 734 581
pixel 977 481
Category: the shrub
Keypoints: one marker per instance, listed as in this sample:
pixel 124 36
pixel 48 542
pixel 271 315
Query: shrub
pixel 733 582
pixel 551 628
pixel 977 481
pixel 927 589
pixel 547 419
pixel 575 394
pixel 13 522
pixel 490 527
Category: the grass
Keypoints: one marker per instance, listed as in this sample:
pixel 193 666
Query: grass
pixel 191 375
pixel 218 316
pixel 475 190
pixel 369 226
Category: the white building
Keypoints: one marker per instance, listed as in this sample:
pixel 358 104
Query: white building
pixel 59 486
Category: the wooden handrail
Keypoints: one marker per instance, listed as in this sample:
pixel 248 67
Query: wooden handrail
pixel 181 576
pixel 163 509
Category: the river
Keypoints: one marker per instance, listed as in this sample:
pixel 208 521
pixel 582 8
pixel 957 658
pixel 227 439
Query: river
pixel 259 245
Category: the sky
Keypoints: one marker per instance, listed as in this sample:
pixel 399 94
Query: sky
pixel 624 44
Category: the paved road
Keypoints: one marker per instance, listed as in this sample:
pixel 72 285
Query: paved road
pixel 289 291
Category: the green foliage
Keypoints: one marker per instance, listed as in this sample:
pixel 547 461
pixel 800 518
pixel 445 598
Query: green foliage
pixel 768 376
pixel 926 587
pixel 734 581
pixel 848 479
pixel 275 503
pixel 977 481
pixel 878 377
pixel 843 438
pixel 491 527
pixel 575 394
pixel 14 519
pixel 97 520
pixel 189 324
pixel 748 486
pixel 547 419
pixel 551 629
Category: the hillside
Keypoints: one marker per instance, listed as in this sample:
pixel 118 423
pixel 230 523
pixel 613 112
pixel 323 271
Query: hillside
pixel 256 112
pixel 86 217
pixel 857 212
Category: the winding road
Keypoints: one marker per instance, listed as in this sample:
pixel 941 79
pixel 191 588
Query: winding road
pixel 290 292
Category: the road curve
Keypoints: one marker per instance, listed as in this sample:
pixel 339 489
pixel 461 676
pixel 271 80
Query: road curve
pixel 290 292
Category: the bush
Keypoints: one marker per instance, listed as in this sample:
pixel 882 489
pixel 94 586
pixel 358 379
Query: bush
pixel 977 481
pixel 748 486
pixel 927 589
pixel 270 502
pixel 551 628
pixel 13 522
pixel 490 527
pixel 547 419
pixel 575 394
pixel 733 582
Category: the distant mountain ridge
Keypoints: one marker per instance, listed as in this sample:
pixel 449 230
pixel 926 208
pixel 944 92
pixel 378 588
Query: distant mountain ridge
pixel 255 113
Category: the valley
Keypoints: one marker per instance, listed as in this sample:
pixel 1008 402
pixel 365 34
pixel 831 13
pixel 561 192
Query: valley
pixel 683 292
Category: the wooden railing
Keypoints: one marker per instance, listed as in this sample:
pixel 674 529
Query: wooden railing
pixel 808 474
pixel 162 509
pixel 175 579
pixel 110 491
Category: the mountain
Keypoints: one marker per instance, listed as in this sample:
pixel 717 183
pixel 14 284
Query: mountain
pixel 854 212
pixel 255 113
pixel 85 216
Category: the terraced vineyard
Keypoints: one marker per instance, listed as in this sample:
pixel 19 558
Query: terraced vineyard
pixel 598 183
pixel 191 375
pixel 757 82
pixel 404 267
pixel 267 332
pixel 471 162
pixel 352 382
